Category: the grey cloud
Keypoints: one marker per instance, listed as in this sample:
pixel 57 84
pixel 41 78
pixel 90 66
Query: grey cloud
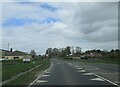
pixel 97 21
pixel 89 25
pixel 99 12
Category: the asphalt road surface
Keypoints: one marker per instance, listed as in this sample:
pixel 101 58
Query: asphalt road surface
pixel 72 73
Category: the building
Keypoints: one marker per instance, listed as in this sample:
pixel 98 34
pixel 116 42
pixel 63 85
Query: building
pixel 13 55
pixel 3 53
pixel 95 54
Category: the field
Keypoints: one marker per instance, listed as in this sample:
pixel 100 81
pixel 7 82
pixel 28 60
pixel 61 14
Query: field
pixel 12 68
pixel 97 60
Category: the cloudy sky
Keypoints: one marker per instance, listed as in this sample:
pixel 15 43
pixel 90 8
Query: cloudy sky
pixel 40 25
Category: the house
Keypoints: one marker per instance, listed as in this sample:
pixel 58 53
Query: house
pixel 93 54
pixel 14 55
pixel 3 52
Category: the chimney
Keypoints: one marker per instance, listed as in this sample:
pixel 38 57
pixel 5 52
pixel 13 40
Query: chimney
pixel 11 49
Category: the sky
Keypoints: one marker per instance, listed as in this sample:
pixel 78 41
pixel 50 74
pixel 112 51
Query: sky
pixel 40 25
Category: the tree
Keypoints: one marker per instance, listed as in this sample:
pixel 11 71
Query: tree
pixel 117 51
pixel 67 50
pixel 62 53
pixel 55 52
pixel 98 51
pixel 112 51
pixel 33 53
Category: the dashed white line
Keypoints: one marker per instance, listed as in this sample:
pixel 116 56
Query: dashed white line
pixel 87 74
pixel 45 75
pixel 81 71
pixel 37 78
pixel 77 66
pixel 80 68
pixel 41 81
pixel 47 72
pixel 97 79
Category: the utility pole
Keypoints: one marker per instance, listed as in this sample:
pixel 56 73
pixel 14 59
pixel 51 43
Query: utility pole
pixel 8 46
pixel 72 50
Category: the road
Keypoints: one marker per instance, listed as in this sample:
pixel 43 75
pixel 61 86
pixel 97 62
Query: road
pixel 72 73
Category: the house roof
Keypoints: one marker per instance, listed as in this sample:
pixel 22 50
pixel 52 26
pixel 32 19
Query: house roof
pixel 15 53
pixel 4 50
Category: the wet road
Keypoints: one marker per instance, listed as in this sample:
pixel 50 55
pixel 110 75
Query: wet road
pixel 66 73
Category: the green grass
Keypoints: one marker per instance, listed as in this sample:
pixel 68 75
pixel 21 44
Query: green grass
pixel 0 71
pixel 100 60
pixel 96 60
pixel 14 67
pixel 29 76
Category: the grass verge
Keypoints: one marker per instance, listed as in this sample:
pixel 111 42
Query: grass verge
pixel 27 78
pixel 96 60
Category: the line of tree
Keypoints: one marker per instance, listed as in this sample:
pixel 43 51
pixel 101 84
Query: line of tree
pixel 113 54
pixel 64 52
pixel 58 52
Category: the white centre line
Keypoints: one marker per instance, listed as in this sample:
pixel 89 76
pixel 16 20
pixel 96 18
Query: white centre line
pixel 80 68
pixel 81 71
pixel 47 72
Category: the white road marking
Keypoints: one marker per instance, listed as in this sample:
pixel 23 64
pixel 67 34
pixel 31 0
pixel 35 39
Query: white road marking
pixel 81 71
pixel 80 68
pixel 97 79
pixel 47 72
pixel 51 66
pixel 87 74
pixel 70 63
pixel 45 75
pixel 37 78
pixel 106 79
pixel 117 82
pixel 41 81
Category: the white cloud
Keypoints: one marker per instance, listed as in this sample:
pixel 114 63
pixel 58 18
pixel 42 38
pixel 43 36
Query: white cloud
pixel 89 25
pixel 59 0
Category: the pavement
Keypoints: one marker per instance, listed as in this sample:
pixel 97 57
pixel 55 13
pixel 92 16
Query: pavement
pixel 76 73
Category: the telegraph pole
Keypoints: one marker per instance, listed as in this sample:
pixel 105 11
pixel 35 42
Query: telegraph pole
pixel 8 46
pixel 72 50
